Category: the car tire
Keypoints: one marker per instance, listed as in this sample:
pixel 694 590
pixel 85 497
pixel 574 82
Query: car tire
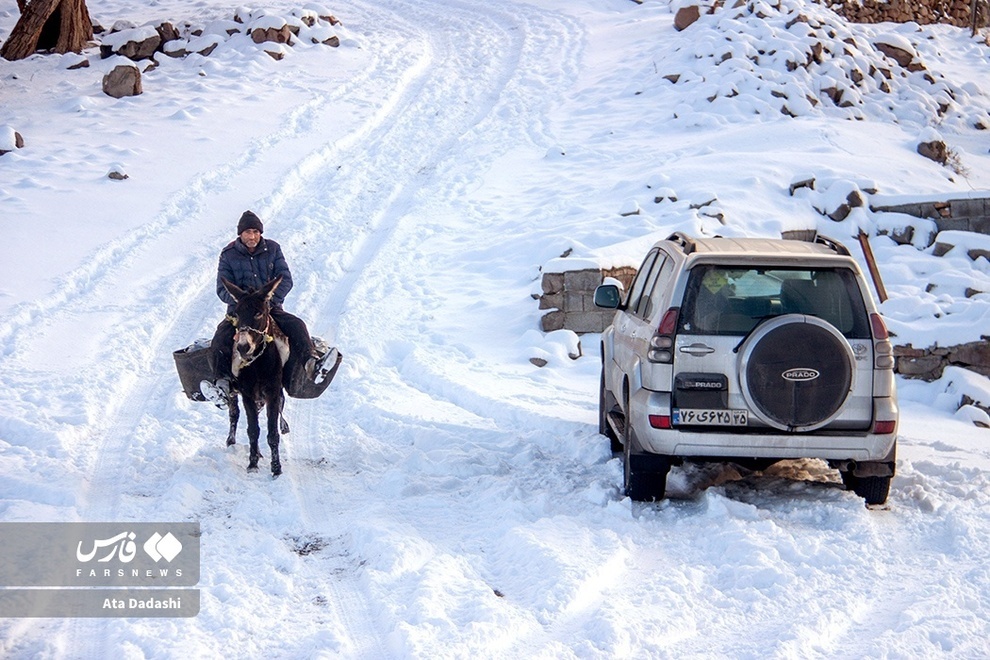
pixel 796 372
pixel 644 476
pixel 606 404
pixel 872 489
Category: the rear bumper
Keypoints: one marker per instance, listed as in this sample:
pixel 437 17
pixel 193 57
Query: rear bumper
pixel 724 443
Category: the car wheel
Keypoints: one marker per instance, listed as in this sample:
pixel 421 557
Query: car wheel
pixel 872 489
pixel 606 404
pixel 644 475
pixel 796 372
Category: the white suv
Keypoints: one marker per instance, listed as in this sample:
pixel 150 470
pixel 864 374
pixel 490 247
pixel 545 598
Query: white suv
pixel 750 351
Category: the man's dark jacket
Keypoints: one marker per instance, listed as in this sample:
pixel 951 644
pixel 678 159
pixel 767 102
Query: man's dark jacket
pixel 252 271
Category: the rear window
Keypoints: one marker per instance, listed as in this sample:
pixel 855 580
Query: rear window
pixel 732 301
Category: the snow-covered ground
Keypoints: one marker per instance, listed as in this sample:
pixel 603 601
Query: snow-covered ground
pixel 446 497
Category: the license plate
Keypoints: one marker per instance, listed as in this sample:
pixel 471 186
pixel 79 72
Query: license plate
pixel 703 417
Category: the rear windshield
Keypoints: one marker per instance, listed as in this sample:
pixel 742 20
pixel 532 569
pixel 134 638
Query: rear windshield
pixel 732 301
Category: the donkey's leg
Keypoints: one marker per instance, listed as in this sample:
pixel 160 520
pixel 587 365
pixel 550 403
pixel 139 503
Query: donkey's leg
pixel 254 432
pixel 234 412
pixel 283 424
pixel 274 412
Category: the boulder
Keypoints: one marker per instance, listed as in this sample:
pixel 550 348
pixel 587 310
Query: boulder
pixel 854 200
pixel 902 57
pixel 167 32
pixel 935 150
pixel 685 16
pixel 270 28
pixel 123 80
pixel 280 35
pixel 134 44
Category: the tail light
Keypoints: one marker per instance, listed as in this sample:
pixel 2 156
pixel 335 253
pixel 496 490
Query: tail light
pixel 884 427
pixel 661 422
pixel 883 351
pixel 662 343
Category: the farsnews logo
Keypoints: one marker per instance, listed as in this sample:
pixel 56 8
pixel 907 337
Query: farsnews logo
pixel 123 547
pixel 162 547
pixel 800 374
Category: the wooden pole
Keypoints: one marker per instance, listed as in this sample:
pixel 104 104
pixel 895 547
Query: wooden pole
pixel 871 263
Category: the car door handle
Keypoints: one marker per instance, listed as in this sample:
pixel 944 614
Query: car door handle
pixel 697 349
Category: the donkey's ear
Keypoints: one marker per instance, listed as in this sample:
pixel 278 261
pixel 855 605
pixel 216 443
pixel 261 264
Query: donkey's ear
pixel 269 289
pixel 235 291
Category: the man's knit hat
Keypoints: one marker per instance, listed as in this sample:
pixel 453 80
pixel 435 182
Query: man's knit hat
pixel 249 221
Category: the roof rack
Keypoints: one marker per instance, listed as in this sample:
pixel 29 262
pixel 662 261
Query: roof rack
pixel 812 236
pixel 832 244
pixel 686 242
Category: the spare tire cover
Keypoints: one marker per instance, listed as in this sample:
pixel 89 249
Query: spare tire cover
pixel 796 372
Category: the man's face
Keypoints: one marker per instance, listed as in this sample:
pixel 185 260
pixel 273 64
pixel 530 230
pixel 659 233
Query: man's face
pixel 251 238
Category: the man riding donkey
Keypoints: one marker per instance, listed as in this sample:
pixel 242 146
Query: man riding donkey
pixel 250 262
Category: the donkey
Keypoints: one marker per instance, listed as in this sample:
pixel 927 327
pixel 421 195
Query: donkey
pixel 261 350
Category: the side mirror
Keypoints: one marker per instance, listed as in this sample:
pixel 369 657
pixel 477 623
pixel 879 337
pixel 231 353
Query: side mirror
pixel 608 296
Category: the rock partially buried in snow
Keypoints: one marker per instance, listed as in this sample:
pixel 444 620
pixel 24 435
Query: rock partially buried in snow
pixel 74 61
pixel 899 49
pixel 123 80
pixel 936 151
pixel 277 51
pixel 323 13
pixel 324 36
pixel 136 44
pixel 974 415
pixel 685 16
pixel 270 28
pixel 10 140
pixel 631 207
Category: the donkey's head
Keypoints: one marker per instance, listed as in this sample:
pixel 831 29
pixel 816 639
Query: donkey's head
pixel 252 321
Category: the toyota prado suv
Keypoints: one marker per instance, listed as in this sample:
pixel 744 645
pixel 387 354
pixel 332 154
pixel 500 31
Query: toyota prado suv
pixel 749 351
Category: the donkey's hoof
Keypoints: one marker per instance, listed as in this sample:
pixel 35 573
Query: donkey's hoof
pixel 252 468
pixel 276 470
pixel 231 442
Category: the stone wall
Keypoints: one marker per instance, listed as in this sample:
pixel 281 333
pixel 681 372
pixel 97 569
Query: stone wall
pixel 570 297
pixel 929 363
pixel 923 12
pixel 963 214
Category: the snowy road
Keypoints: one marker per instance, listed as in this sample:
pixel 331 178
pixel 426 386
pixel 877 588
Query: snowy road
pixel 444 498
